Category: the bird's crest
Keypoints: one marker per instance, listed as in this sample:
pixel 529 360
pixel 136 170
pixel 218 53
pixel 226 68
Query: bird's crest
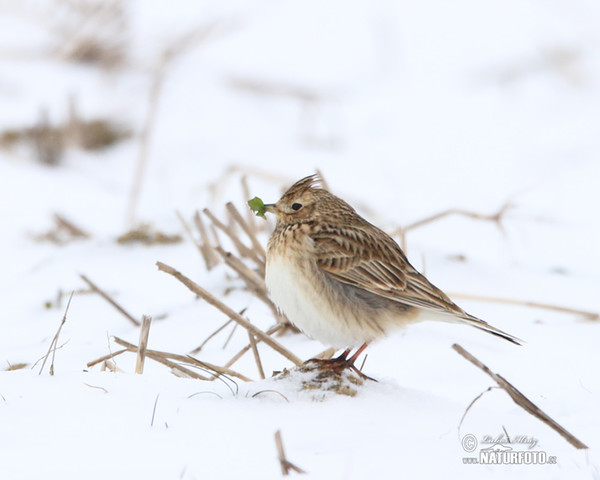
pixel 306 183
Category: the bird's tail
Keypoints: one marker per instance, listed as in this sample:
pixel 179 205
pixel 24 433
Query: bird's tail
pixel 486 327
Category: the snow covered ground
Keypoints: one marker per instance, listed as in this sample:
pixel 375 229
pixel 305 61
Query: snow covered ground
pixel 408 109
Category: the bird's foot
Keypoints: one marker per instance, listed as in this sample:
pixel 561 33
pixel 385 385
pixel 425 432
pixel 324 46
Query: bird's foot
pixel 341 363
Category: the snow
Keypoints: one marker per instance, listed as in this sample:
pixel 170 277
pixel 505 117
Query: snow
pixel 424 106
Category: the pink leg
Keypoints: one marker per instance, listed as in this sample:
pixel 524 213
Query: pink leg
pixel 353 358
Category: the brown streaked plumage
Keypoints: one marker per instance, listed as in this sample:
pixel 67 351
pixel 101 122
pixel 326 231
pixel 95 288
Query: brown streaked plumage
pixel 341 279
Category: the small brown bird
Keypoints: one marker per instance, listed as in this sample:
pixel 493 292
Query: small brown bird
pixel 342 280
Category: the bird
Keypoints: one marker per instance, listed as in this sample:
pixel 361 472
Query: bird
pixel 343 281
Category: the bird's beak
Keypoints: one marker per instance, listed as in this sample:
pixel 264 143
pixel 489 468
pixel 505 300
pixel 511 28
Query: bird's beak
pixel 271 208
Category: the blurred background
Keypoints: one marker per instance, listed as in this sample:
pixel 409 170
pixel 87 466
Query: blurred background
pixel 118 112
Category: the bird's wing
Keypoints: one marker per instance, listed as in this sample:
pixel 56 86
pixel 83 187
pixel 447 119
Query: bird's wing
pixel 371 260
pixel 368 258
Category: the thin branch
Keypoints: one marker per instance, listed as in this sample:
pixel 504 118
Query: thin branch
pixel 473 403
pixel 255 282
pixel 106 297
pixel 286 465
pixel 207 250
pixel 54 342
pixel 526 303
pixel 73 229
pixel 161 359
pixel 230 336
pixel 261 372
pixel 212 300
pixel 520 399
pixel 242 223
pixel 242 352
pixel 201 346
pixel 243 250
pixel 96 387
pixel 496 217
pixel 188 231
pixel 143 344
pixel 106 357
pixel 159 355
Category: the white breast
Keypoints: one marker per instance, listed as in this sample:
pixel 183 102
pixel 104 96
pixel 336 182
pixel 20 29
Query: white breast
pixel 301 299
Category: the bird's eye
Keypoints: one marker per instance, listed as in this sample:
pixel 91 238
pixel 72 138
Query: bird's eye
pixel 296 206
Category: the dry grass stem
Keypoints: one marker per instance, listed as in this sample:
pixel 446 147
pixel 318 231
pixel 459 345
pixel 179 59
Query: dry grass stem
pixel 520 399
pixel 286 465
pixel 489 389
pixel 161 359
pixel 106 357
pixel 496 217
pixel 143 344
pixel 242 352
pixel 253 281
pixel 73 229
pixel 230 336
pixel 96 387
pixel 188 230
pixel 211 258
pixel 212 300
pixel 158 356
pixel 261 372
pixel 242 249
pixel 54 342
pixel 212 335
pixel 246 228
pixel 526 303
pixel 106 297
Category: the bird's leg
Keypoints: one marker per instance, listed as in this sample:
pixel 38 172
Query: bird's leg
pixel 343 362
pixel 343 355
pixel 353 358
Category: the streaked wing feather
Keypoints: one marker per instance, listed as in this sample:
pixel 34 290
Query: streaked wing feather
pixel 354 257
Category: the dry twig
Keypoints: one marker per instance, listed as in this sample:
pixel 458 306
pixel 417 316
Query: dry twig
pixel 261 372
pixel 212 300
pixel 242 249
pixel 286 465
pixel 54 341
pixel 255 282
pixel 207 250
pixel 240 354
pixel 212 335
pixel 74 230
pixel 160 356
pixel 160 359
pixel 106 297
pixel 242 223
pixel 143 344
pixel 106 357
pixel 496 217
pixel 520 399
